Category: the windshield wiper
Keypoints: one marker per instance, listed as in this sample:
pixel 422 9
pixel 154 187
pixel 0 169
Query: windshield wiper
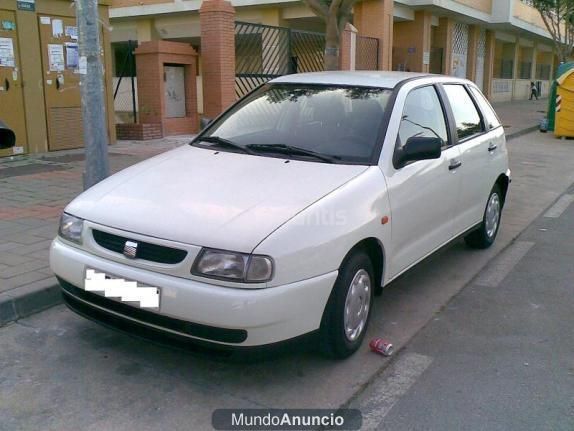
pixel 222 142
pixel 291 150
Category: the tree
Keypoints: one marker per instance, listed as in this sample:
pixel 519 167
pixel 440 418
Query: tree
pixel 558 16
pixel 336 14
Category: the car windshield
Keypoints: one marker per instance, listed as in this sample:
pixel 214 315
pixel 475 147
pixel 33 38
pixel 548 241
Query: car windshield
pixel 322 123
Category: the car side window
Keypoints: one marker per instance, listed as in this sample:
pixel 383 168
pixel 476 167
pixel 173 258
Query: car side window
pixel 422 116
pixel 490 117
pixel 466 117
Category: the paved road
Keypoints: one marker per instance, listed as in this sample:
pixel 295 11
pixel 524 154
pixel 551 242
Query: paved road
pixel 501 355
pixel 61 372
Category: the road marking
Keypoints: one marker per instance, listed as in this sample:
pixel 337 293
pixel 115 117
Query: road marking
pixel 498 270
pixel 560 206
pixel 395 383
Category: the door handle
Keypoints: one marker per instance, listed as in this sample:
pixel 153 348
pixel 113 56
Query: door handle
pixel 6 84
pixel 492 146
pixel 454 164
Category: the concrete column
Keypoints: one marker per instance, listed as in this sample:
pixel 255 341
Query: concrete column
pixel 272 16
pixel 348 48
pixel 489 63
pixel 515 66
pixel 374 18
pixel 534 62
pixel 217 21
pixel 473 35
pixel 145 30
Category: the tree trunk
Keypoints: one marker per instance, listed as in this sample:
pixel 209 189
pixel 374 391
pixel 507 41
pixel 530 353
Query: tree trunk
pixel 331 58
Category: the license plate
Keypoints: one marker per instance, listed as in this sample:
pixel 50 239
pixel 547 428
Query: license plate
pixel 121 289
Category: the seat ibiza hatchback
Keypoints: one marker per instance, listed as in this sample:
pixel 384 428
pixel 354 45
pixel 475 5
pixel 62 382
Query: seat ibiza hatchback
pixel 289 211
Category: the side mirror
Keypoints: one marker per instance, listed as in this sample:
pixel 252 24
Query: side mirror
pixel 418 148
pixel 7 137
pixel 204 122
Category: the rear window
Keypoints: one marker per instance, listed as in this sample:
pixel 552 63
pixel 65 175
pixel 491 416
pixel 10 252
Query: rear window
pixel 490 117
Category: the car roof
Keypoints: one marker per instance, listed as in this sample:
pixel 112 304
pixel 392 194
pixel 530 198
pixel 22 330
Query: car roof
pixel 360 78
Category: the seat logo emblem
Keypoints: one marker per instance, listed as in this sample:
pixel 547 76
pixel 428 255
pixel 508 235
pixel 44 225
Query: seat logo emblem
pixel 130 249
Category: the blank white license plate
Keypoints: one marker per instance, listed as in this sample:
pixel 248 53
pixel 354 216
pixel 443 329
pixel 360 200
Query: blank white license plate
pixel 121 289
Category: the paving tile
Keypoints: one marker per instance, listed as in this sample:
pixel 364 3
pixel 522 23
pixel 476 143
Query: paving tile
pixel 24 238
pixel 9 246
pixel 22 268
pixel 11 259
pixel 23 250
pixel 20 280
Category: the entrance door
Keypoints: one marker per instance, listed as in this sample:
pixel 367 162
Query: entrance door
pixel 11 96
pixel 58 39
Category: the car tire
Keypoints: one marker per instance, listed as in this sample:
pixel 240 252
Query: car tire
pixel 485 235
pixel 348 309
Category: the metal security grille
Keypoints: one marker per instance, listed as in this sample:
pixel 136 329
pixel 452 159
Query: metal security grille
pixel 367 53
pixel 264 52
pixel 480 56
pixel 459 49
pixel 307 49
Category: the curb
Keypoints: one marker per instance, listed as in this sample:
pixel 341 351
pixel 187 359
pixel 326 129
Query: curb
pixel 25 301
pixel 521 132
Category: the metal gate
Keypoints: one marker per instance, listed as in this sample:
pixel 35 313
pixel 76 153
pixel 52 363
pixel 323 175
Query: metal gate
pixel 125 101
pixel 264 52
pixel 367 53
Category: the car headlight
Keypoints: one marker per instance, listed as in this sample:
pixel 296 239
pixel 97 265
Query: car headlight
pixel 232 266
pixel 71 228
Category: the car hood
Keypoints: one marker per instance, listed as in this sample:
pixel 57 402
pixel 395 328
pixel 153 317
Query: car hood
pixel 209 198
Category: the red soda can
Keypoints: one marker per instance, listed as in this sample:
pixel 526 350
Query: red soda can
pixel 383 347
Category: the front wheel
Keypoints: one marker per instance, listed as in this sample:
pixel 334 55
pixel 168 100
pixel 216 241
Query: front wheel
pixel 485 235
pixel 348 310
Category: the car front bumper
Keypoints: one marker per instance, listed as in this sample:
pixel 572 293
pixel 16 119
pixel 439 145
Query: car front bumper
pixel 216 314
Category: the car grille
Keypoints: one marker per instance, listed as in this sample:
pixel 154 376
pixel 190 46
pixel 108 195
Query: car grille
pixel 145 250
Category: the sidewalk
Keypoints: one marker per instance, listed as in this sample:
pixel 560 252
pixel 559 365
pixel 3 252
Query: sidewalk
pixel 522 116
pixel 35 189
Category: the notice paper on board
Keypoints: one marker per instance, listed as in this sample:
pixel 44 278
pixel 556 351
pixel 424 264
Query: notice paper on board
pixel 71 55
pixel 7 52
pixel 57 28
pixel 56 57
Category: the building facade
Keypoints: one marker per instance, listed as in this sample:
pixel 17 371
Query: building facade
pixel 502 45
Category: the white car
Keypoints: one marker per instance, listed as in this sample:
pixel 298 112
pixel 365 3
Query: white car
pixel 289 211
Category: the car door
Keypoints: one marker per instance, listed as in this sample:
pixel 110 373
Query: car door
pixel 476 147
pixel 422 194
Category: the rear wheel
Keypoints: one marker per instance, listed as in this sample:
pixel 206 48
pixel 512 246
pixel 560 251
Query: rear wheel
pixel 348 310
pixel 485 235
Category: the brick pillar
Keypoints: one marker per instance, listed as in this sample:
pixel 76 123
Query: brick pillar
pixel 154 120
pixel 374 18
pixel 348 48
pixel 217 21
pixel 489 63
